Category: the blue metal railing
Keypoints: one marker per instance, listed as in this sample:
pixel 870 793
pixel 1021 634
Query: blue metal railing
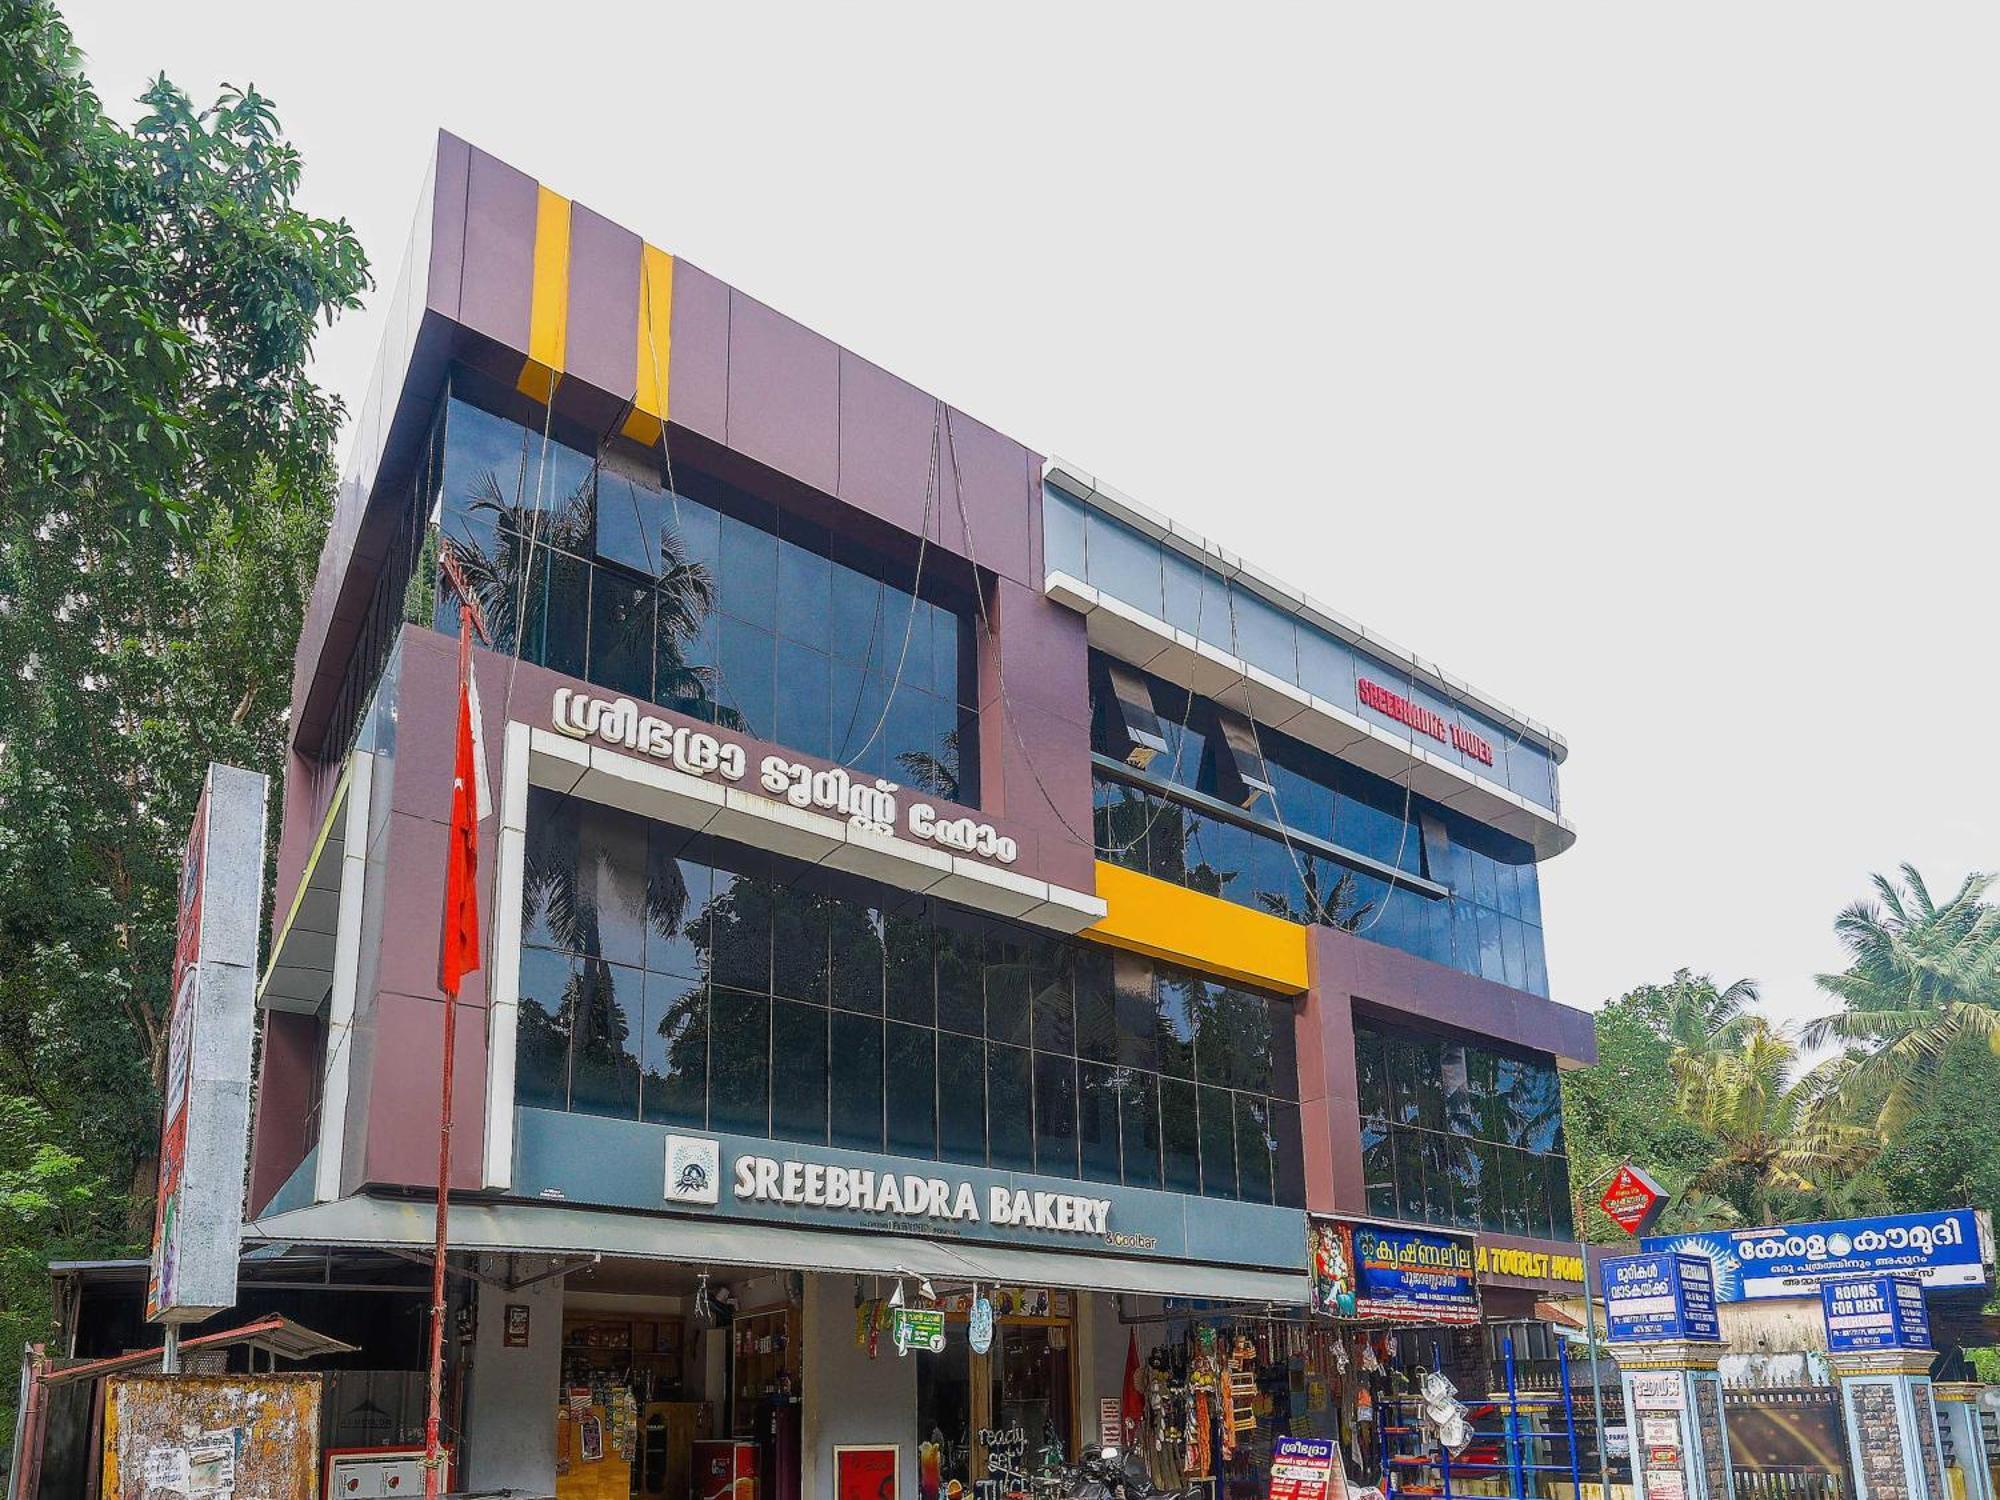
pixel 1520 1457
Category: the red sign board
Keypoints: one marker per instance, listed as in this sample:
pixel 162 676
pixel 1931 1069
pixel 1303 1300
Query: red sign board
pixel 1634 1202
pixel 1424 720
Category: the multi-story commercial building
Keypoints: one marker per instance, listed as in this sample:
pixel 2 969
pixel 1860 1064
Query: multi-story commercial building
pixel 913 867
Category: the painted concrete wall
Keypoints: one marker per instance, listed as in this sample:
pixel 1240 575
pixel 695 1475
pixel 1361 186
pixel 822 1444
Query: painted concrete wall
pixel 849 1397
pixel 510 1417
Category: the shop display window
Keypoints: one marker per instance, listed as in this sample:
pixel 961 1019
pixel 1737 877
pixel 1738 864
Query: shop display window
pixel 673 978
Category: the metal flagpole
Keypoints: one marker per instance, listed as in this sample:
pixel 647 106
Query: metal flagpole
pixel 469 620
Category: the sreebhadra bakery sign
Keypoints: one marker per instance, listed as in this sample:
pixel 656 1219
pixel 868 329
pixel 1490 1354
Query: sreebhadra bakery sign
pixel 695 1177
pixel 871 805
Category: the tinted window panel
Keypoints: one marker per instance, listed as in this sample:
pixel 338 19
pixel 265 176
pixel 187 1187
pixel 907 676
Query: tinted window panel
pixel 1218 1144
pixel 549 990
pixel 911 987
pixel 798 1071
pixel 1098 1090
pixel 1255 1147
pixel 910 1083
pixel 1010 1108
pixel 674 1052
pixel 1139 1128
pixel 740 931
pixel 856 1103
pixel 1180 1136
pixel 1055 1114
pixel 739 1062
pixel 961 1098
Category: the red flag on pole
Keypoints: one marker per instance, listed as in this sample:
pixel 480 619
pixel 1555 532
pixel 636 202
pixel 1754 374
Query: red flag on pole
pixel 459 953
pixel 1132 1409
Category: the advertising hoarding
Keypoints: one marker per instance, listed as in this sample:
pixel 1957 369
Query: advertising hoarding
pixel 205 1114
pixel 1949 1248
pixel 1659 1296
pixel 1391 1273
pixel 1876 1312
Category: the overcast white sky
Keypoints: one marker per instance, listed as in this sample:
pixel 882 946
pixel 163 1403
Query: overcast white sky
pixel 1637 363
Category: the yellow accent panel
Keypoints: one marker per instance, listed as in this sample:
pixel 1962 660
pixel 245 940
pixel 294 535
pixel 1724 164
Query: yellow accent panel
pixel 1204 932
pixel 548 313
pixel 656 318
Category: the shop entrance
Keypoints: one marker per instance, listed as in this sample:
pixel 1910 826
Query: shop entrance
pixel 1004 1413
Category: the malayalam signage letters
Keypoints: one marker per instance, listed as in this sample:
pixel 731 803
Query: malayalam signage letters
pixel 1633 1201
pixel 1302 1468
pixel 1942 1249
pixel 1660 1296
pixel 866 803
pixel 1384 1273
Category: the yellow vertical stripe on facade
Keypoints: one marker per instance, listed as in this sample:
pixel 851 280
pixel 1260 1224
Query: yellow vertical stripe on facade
pixel 656 320
pixel 548 313
pixel 1181 926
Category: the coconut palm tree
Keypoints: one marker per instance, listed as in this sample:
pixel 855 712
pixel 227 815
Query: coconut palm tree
pixel 1701 1022
pixel 1922 975
pixel 1773 1132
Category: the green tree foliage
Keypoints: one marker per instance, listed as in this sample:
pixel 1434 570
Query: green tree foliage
pixel 1625 1108
pixel 1720 1106
pixel 165 479
pixel 1922 977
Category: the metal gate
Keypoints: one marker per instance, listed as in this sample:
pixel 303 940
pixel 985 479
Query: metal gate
pixel 1787 1442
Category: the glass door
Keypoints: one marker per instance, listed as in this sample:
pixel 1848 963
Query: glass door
pixel 1029 1371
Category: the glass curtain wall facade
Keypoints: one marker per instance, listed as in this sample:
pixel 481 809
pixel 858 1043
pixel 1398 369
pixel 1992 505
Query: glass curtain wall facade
pixel 708 601
pixel 671 978
pixel 1460 1134
pixel 1170 586
pixel 1490 923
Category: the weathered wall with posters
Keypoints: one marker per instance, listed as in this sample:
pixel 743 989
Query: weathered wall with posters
pixel 211 1437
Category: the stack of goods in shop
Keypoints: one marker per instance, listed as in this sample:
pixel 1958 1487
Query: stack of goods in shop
pixel 1217 1395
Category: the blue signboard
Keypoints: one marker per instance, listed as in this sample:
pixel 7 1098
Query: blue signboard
pixel 1879 1312
pixel 1659 1296
pixel 1944 1249
pixel 1389 1273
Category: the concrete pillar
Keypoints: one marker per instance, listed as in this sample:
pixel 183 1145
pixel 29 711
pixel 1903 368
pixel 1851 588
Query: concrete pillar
pixel 1673 1410
pixel 851 1398
pixel 510 1406
pixel 1879 1344
pixel 1660 1309
pixel 1892 1429
pixel 1965 1448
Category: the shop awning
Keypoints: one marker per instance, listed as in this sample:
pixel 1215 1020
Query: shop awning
pixel 549 1229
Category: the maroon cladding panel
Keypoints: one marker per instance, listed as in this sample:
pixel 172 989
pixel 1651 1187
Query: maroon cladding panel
pixel 698 379
pixel 603 332
pixel 784 394
pixel 1000 484
pixel 1329 1111
pixel 285 1076
pixel 1432 994
pixel 887 429
pixel 406 1044
pixel 1346 970
pixel 497 286
pixel 451 178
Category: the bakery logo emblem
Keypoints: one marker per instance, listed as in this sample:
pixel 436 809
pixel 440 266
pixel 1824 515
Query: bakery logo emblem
pixel 694 1170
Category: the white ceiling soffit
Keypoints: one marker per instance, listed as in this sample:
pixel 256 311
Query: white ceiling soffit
pixel 548 1229
pixel 1131 635
pixel 599 774
pixel 300 971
